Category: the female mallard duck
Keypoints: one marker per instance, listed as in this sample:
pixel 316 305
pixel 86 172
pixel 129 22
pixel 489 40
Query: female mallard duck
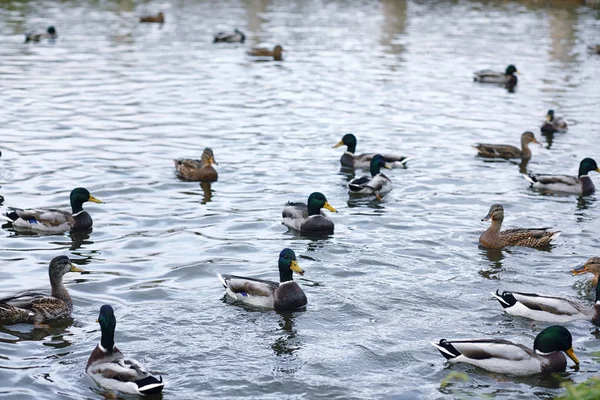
pixel 159 18
pixel 548 308
pixel 581 185
pixel 55 221
pixel 507 78
pixel 198 170
pixel 377 183
pixel 492 238
pixel 553 124
pixel 109 367
pixel 230 37
pixel 309 217
pixel 508 151
pixel 276 53
pixel 38 307
pixel 505 357
pixel 37 36
pixel 284 296
pixel 592 266
pixel 351 160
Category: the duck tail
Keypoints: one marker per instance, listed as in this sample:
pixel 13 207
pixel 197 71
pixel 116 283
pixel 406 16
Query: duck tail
pixel 150 385
pixel 405 160
pixel 528 179
pixel 555 235
pixel 506 299
pixel 222 280
pixel 9 217
pixel 446 348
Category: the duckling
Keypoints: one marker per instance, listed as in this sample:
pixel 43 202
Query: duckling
pixel 198 170
pixel 111 370
pixel 38 307
pixel 592 266
pixel 505 357
pixel 350 160
pixel 377 183
pixel 159 18
pixel 507 151
pixel 553 124
pixel 38 36
pixel 492 238
pixel 308 217
pixel 276 53
pixel 507 78
pixel 55 221
pixel 230 37
pixel 284 296
pixel 581 185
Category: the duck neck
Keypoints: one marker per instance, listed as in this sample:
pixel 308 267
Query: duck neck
pixel 313 209
pixel 495 226
pixel 76 206
pixel 525 149
pixel 285 275
pixel 375 169
pixel 351 148
pixel 107 341
pixel 59 290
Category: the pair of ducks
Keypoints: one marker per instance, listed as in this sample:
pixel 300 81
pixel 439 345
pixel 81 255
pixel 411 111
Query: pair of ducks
pixel 238 37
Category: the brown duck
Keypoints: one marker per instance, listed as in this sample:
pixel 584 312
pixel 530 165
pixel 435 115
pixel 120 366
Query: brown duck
pixel 507 151
pixel 493 238
pixel 276 53
pixel 592 266
pixel 159 18
pixel 198 170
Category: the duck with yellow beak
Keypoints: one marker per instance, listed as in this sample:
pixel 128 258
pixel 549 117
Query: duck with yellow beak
pixel 309 218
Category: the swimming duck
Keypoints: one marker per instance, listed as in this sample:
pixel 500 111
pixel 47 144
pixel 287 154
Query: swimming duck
pixel 284 296
pixel 505 357
pixel 553 124
pixel 492 238
pixel 38 307
pixel 581 185
pixel 377 183
pixel 548 308
pixel 592 266
pixel 55 221
pixel 349 159
pixel 508 151
pixel 159 18
pixel 109 367
pixel 198 170
pixel 507 78
pixel 309 217
pixel 37 36
pixel 276 53
pixel 230 37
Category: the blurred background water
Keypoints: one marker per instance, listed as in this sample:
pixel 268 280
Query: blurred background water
pixel 112 102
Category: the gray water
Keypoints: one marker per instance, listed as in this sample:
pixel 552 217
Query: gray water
pixel 112 102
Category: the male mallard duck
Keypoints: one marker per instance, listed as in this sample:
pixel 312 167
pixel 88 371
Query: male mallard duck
pixel 508 151
pixel 581 185
pixel 309 217
pixel 109 367
pixel 592 266
pixel 548 308
pixel 230 37
pixel 377 183
pixel 38 307
pixel 37 36
pixel 507 78
pixel 276 53
pixel 284 296
pixel 505 357
pixel 553 124
pixel 158 18
pixel 492 238
pixel 349 159
pixel 198 170
pixel 55 221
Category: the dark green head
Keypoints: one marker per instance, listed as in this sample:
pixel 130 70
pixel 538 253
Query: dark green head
pixel 511 70
pixel 550 115
pixel 287 265
pixel 59 266
pixel 377 162
pixel 555 338
pixel 80 196
pixel 348 140
pixel 587 165
pixel 51 30
pixel 316 201
pixel 108 323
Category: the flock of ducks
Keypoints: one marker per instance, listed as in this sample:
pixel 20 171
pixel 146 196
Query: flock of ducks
pixel 113 371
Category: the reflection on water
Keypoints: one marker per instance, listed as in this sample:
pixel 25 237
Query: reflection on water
pixel 207 190
pixel 287 343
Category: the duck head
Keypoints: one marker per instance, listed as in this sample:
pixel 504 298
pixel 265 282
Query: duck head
pixel 316 201
pixel 349 140
pixel 555 338
pixel 288 264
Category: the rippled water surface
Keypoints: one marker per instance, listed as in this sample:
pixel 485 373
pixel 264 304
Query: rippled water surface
pixel 112 102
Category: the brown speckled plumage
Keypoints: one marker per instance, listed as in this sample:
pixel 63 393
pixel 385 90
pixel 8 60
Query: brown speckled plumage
pixel 198 170
pixel 507 151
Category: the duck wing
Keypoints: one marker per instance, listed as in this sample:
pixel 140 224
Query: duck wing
pixel 550 304
pixel 248 286
pixel 498 150
pixel 358 184
pixel 394 160
pixel 483 349
pixel 487 75
pixel 48 218
pixel 295 210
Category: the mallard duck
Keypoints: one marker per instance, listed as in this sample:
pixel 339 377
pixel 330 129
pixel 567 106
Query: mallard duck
pixel 508 151
pixel 548 308
pixel 377 183
pixel 581 185
pixel 198 170
pixel 592 266
pixel 276 53
pixel 55 221
pixel 492 238
pixel 507 78
pixel 230 37
pixel 309 217
pixel 505 357
pixel 284 296
pixel 553 124
pixel 38 307
pixel 158 18
pixel 37 36
pixel 112 370
pixel 351 160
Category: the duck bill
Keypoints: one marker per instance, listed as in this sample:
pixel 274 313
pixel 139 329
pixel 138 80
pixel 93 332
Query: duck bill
pixel 341 143
pixel 75 269
pixel 212 161
pixel 548 118
pixel 94 200
pixel 388 166
pixel 487 217
pixel 572 355
pixel 329 207
pixel 579 270
pixel 597 169
pixel 296 268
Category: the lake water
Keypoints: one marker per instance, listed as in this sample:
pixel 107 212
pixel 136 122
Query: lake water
pixel 112 102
